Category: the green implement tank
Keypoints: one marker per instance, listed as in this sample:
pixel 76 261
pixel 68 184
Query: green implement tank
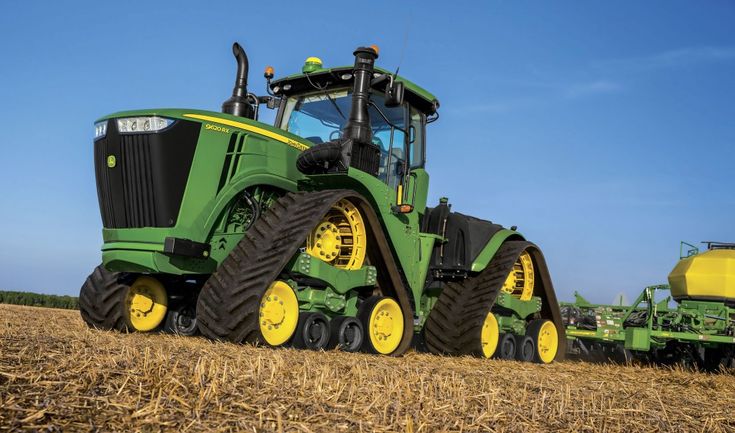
pixel 313 232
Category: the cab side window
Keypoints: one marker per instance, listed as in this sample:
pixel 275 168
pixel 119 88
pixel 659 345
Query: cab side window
pixel 418 146
pixel 390 141
pixel 392 158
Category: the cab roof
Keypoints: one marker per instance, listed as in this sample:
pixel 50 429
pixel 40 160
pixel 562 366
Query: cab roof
pixel 338 77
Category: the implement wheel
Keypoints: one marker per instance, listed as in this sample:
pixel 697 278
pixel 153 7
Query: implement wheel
pixel 544 334
pixel 382 319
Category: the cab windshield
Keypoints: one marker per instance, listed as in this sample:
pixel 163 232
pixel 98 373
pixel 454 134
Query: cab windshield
pixel 320 117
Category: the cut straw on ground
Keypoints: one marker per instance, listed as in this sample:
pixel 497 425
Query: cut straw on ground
pixel 58 375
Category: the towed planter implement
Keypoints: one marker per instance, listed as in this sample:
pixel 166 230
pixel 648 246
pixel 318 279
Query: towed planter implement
pixel 691 320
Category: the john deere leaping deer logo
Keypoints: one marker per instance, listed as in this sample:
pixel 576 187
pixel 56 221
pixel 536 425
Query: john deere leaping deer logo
pixel 111 161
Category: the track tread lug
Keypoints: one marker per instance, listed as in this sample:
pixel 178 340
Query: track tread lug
pixel 100 298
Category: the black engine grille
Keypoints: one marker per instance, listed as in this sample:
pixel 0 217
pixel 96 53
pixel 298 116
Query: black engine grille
pixel 138 193
pixel 145 186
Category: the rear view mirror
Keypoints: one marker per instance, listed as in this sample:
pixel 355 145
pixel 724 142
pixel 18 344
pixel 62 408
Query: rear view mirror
pixel 273 103
pixel 394 94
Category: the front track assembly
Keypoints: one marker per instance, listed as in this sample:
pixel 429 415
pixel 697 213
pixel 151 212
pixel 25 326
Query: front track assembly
pixel 229 305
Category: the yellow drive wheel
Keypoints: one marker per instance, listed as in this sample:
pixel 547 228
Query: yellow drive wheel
pixel 339 239
pixel 382 319
pixel 279 313
pixel 544 334
pixel 489 335
pixel 146 304
pixel 520 281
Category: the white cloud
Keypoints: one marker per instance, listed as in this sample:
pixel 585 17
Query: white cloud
pixel 501 106
pixel 592 88
pixel 552 94
pixel 672 58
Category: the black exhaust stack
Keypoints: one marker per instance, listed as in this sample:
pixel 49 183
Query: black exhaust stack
pixel 238 104
pixel 355 148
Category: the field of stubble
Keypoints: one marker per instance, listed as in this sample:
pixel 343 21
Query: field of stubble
pixel 58 375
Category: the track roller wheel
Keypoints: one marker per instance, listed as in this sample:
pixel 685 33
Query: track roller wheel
pixel 546 337
pixel 181 321
pixel 525 348
pixel 312 332
pixel 146 304
pixel 347 334
pixel 490 335
pixel 506 347
pixel 278 314
pixel 382 319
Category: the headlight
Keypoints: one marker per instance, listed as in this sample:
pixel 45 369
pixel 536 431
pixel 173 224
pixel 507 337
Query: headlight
pixel 100 129
pixel 129 125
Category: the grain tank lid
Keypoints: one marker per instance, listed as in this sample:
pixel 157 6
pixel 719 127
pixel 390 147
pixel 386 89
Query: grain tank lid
pixel 706 276
pixel 714 245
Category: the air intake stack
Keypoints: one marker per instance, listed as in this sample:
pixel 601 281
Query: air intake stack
pixel 238 104
pixel 358 125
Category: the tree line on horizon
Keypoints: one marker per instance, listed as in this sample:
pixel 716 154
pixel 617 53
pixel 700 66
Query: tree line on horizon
pixel 39 300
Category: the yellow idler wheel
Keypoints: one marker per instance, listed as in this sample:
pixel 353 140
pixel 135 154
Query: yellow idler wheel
pixel 339 239
pixel 544 334
pixel 489 335
pixel 520 281
pixel 279 313
pixel 382 319
pixel 146 304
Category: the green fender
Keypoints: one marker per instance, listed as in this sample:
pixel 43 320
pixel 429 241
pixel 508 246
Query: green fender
pixel 487 253
pixel 232 190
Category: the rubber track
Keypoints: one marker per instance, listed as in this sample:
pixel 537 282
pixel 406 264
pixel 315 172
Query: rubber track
pixel 101 300
pixel 228 305
pixel 454 324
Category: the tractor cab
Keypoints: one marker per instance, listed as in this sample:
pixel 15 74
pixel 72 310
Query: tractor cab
pixel 321 106
pixel 316 105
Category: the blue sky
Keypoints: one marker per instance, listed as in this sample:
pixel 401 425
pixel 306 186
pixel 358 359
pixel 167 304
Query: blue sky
pixel 604 130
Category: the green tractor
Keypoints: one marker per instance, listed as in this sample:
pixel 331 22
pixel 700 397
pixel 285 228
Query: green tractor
pixel 314 232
